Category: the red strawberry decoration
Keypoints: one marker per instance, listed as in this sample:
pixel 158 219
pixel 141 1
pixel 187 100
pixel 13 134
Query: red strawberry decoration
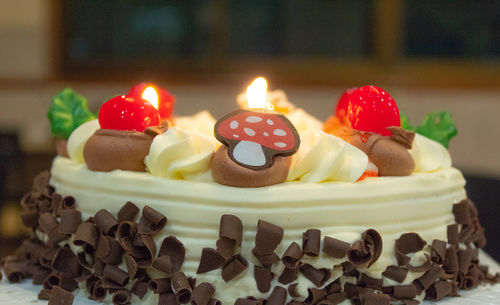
pixel 165 99
pixel 342 104
pixel 372 109
pixel 125 112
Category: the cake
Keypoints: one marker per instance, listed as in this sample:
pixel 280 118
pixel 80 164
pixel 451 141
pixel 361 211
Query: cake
pixel 137 215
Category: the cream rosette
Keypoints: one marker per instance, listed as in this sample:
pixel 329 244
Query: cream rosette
pixel 429 155
pixel 78 138
pixel 201 122
pixel 179 154
pixel 324 157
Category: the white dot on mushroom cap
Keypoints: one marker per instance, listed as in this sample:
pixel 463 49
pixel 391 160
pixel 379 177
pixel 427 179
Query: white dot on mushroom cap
pixel 234 124
pixel 253 119
pixel 266 134
pixel 236 136
pixel 280 144
pixel 270 122
pixel 249 131
pixel 279 132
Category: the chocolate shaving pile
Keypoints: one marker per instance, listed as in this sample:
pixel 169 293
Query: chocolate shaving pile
pixel 106 240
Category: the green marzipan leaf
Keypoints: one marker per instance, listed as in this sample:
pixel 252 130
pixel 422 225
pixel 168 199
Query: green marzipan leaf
pixel 68 111
pixel 437 126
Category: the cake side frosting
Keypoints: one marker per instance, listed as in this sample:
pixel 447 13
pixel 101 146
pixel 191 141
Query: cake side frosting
pixel 391 205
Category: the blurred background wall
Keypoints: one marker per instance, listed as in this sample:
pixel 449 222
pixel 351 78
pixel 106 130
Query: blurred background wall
pixel 430 55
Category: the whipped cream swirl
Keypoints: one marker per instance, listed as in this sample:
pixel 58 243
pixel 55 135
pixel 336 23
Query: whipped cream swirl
pixel 78 138
pixel 324 157
pixel 201 122
pixel 179 154
pixel 429 155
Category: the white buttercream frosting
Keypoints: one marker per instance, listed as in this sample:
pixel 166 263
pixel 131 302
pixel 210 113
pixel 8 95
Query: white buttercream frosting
pixel 78 138
pixel 419 203
pixel 303 121
pixel 429 155
pixel 179 154
pixel 325 157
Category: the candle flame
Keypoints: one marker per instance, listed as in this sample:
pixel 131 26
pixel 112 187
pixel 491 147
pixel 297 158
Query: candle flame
pixel 256 94
pixel 149 94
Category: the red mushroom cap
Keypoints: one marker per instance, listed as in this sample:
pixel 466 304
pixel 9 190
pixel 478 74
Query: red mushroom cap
pixel 273 131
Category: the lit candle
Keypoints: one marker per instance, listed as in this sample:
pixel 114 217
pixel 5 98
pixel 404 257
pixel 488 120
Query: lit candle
pixel 157 96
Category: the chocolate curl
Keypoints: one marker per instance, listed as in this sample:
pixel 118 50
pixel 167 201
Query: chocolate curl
pixel 292 291
pixel 59 296
pixel 248 301
pixel 41 183
pixel 376 299
pixel 140 288
pixel 267 260
pixel 106 222
pixel 311 240
pixel 401 136
pixel 67 281
pixel 349 270
pixel 160 286
pixel 95 289
pixel 86 235
pixel 115 275
pixel 268 237
pixel 395 273
pixel 132 267
pixel 168 299
pixel 277 297
pixel 404 292
pixel 30 218
pixel 335 248
pixel 288 275
pixel 314 295
pixel 317 276
pixel 109 250
pixel 438 291
pixel 39 274
pixel 210 260
pixel 231 228
pixel 370 282
pixel 171 255
pixel 452 234
pixel 16 271
pixel 151 221
pixel 234 267
pixel 226 247
pixel 450 263
pixel 202 294
pixel 428 278
pixel 462 212
pixel 47 257
pixel 121 297
pixel 407 243
pixel 181 287
pixel 292 255
pixel 66 261
pixel 336 298
pixel 128 212
pixel 48 222
pixel 52 280
pixel 126 233
pixel 44 294
pixel 213 301
pixel 263 278
pixel 334 287
pixel 70 220
pixel 438 250
pixel 464 260
pixel 366 251
pixel 66 203
pixel 145 255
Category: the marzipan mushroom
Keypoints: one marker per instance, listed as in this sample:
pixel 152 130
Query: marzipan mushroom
pixel 257 145
pixel 389 153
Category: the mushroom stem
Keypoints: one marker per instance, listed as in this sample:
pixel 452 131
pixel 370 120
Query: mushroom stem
pixel 249 153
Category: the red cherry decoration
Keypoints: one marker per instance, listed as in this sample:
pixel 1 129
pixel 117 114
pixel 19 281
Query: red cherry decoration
pixel 165 99
pixel 372 109
pixel 128 113
pixel 342 104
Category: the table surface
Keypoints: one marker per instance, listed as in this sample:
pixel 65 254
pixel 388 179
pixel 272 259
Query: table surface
pixel 26 293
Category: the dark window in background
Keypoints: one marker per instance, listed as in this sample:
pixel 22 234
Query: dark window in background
pixel 116 32
pixel 452 29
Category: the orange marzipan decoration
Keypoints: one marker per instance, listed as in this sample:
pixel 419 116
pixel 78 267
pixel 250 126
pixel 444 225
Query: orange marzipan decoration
pixel 367 174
